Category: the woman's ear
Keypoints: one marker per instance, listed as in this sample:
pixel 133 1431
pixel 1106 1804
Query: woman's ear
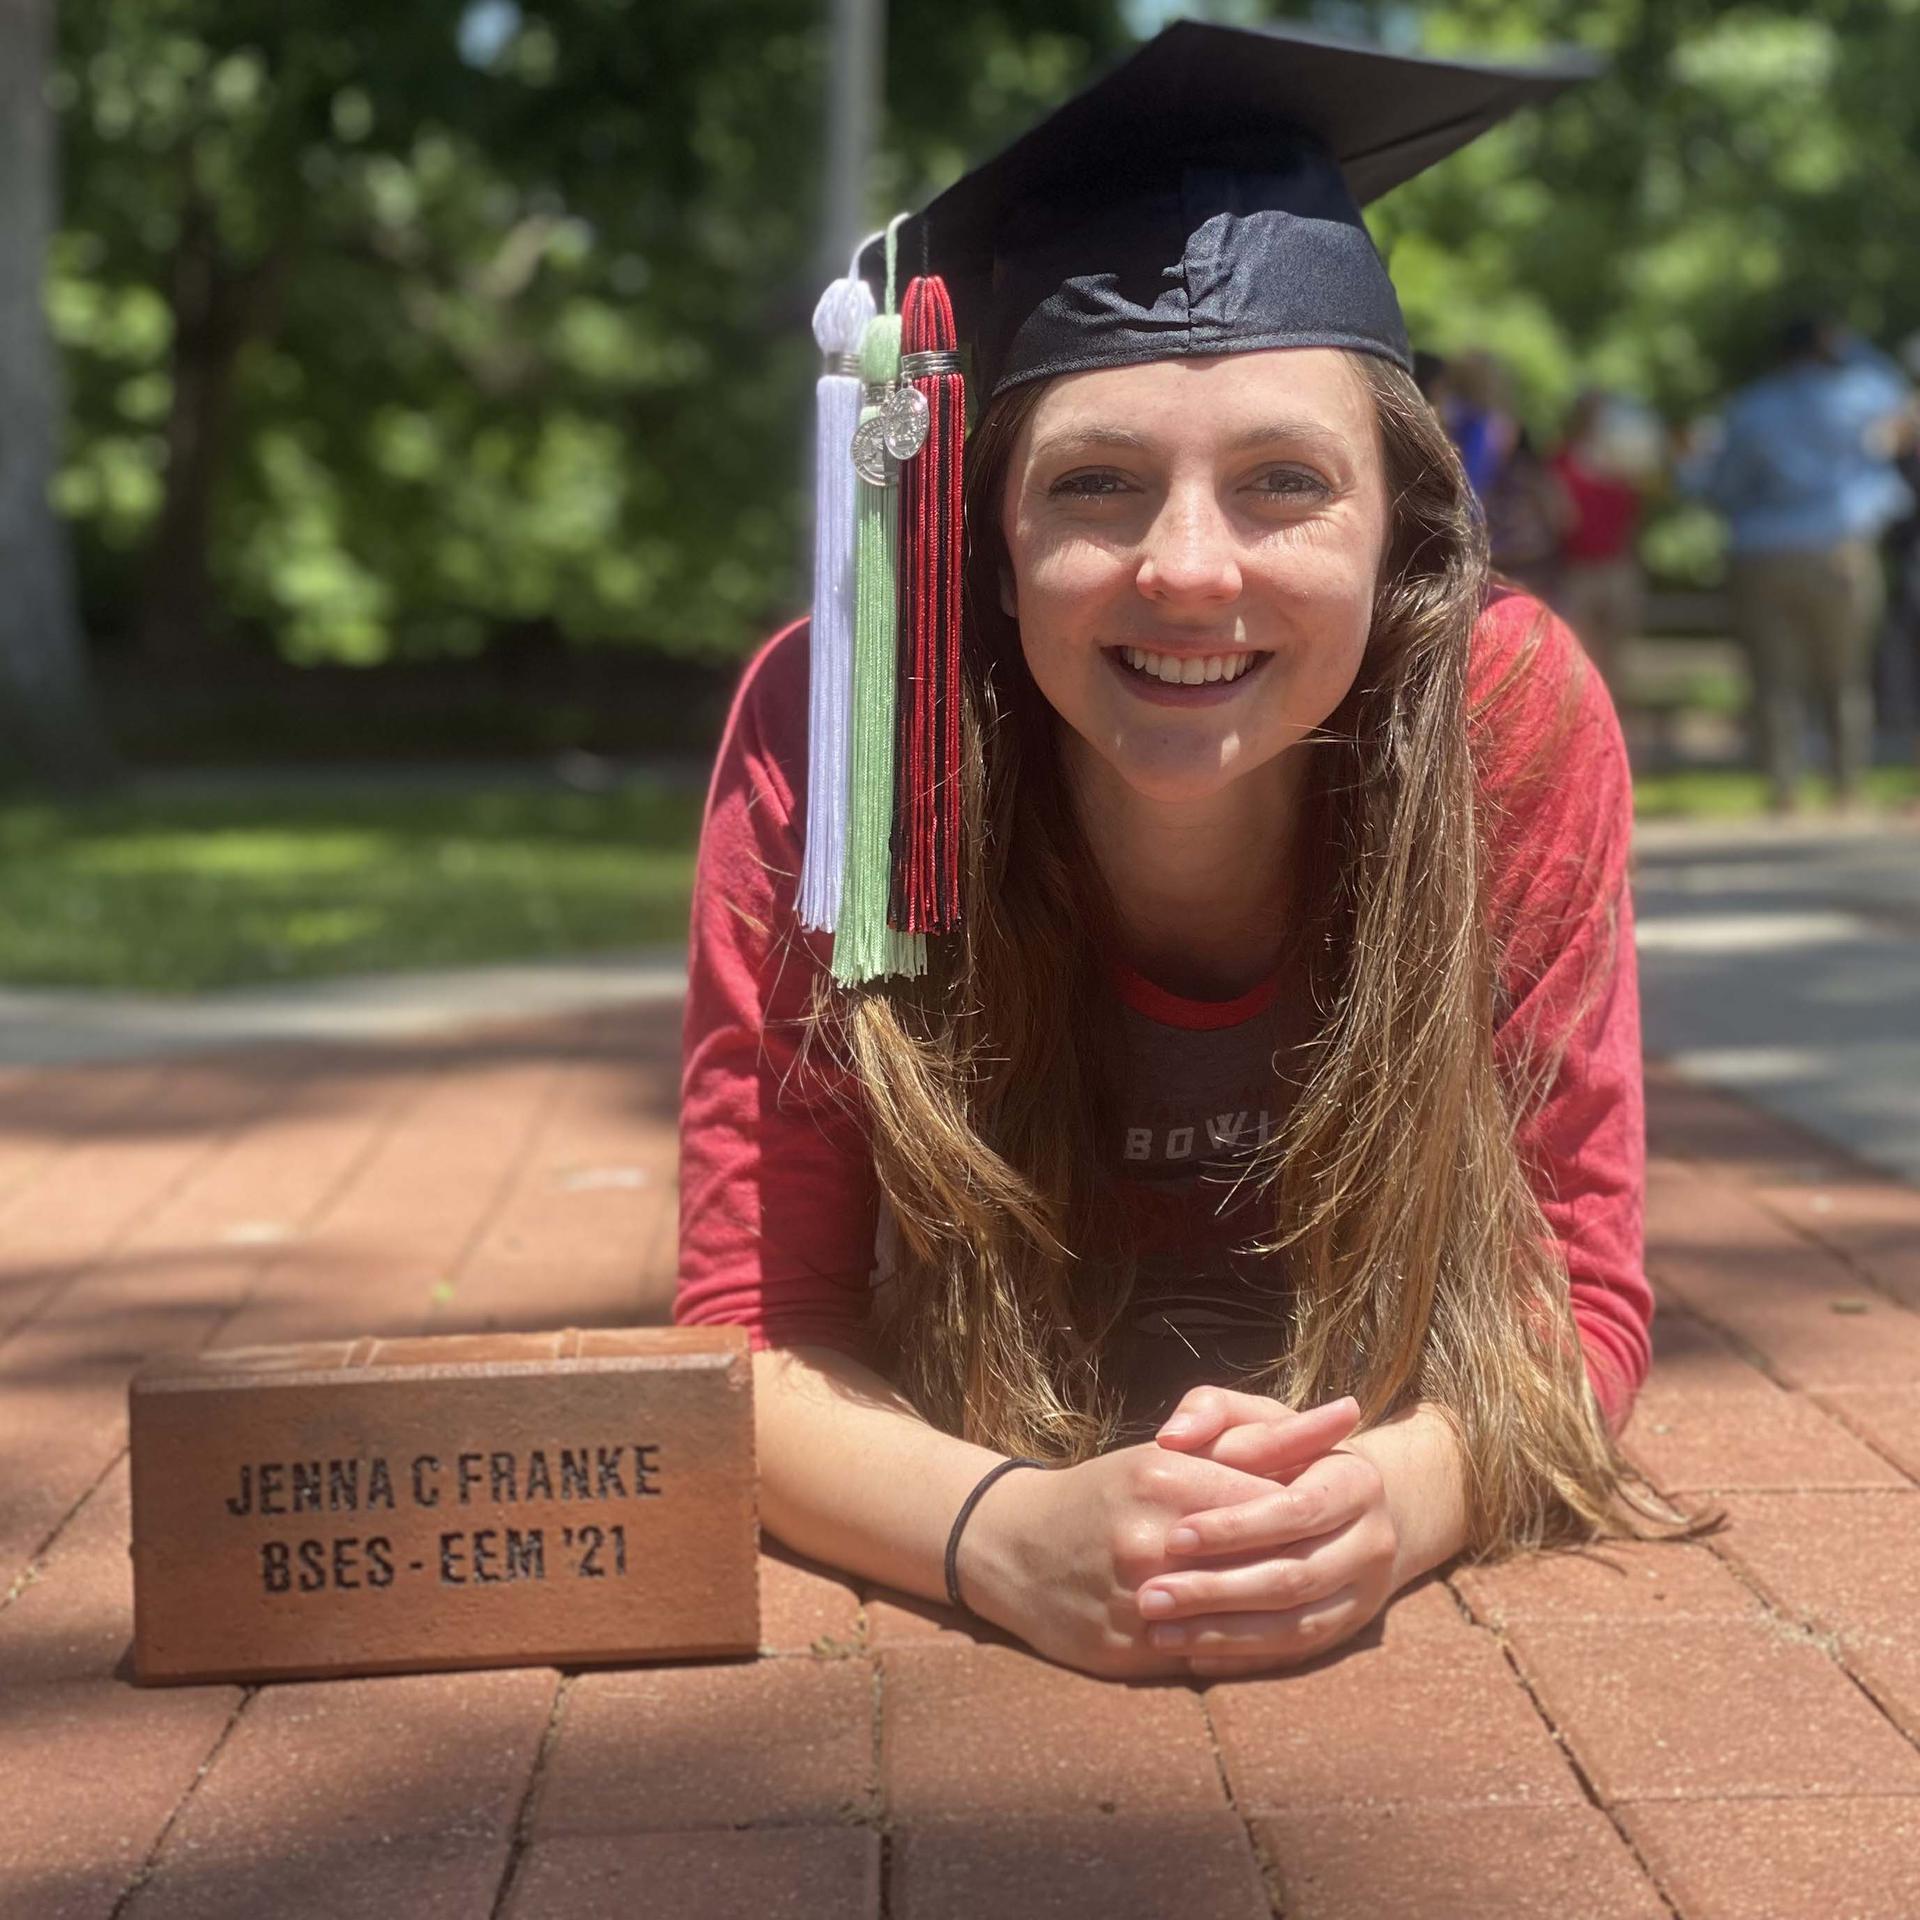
pixel 1009 595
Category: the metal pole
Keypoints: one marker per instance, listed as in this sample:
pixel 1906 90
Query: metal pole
pixel 855 56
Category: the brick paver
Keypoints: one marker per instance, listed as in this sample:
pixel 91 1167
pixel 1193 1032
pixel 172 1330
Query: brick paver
pixel 805 1607
pixel 1886 1418
pixel 1418 1862
pixel 1200 1866
pixel 317 1783
pixel 1710 1709
pixel 1783 1859
pixel 1720 1729
pixel 768 1873
pixel 1438 1721
pixel 763 1742
pixel 994 1732
pixel 1652 1582
pixel 1833 1559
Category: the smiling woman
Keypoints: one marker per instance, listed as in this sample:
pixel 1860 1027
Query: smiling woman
pixel 1195 543
pixel 1264 1151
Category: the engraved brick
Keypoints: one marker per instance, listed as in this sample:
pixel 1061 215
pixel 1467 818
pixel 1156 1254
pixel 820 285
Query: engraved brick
pixel 1104 1867
pixel 1418 1862
pixel 490 1500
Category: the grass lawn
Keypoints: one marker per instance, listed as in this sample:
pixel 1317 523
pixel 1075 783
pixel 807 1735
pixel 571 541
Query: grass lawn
pixel 284 882
pixel 279 883
pixel 1732 794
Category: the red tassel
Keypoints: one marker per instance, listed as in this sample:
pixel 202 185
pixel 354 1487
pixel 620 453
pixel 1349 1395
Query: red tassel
pixel 925 895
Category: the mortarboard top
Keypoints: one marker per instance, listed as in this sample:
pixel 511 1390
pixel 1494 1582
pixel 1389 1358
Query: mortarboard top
pixel 1204 198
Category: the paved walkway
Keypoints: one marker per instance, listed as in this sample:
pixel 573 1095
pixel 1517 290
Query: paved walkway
pixel 52 1026
pixel 1782 962
pixel 1715 1732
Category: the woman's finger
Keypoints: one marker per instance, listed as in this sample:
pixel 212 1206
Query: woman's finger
pixel 1320 1499
pixel 1253 1640
pixel 1264 1583
pixel 1207 1412
pixel 1280 1449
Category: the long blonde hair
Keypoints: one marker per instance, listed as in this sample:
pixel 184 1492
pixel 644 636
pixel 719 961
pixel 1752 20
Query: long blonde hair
pixel 1415 1257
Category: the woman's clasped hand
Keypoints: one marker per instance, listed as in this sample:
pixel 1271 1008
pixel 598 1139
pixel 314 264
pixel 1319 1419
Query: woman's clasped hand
pixel 1246 1537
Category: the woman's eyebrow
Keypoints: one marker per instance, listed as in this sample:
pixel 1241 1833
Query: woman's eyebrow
pixel 1072 441
pixel 1267 432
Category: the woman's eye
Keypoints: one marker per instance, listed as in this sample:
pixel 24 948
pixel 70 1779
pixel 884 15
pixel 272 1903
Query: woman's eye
pixel 1289 482
pixel 1088 486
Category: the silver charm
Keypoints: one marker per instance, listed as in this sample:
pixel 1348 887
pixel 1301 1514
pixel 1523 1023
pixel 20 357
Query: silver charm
pixel 904 416
pixel 871 460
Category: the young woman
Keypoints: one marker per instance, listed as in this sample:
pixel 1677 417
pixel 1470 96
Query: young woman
pixel 1264 1154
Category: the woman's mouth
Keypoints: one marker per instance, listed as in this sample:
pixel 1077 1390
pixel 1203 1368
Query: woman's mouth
pixel 1184 679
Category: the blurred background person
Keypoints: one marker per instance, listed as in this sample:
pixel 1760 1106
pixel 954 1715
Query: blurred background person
pixel 1527 517
pixel 1601 466
pixel 1897 666
pixel 1804 473
pixel 1525 509
pixel 1469 392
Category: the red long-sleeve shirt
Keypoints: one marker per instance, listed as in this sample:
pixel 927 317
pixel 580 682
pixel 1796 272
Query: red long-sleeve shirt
pixel 778 1199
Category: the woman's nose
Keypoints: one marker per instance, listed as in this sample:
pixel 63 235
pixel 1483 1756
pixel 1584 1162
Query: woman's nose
pixel 1189 551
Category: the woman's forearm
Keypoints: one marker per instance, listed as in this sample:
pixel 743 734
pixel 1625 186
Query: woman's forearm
pixel 850 1473
pixel 1420 1462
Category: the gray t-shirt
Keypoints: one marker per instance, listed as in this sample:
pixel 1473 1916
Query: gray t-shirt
pixel 1203 1086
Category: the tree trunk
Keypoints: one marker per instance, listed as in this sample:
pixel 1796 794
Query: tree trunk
pixel 209 328
pixel 49 726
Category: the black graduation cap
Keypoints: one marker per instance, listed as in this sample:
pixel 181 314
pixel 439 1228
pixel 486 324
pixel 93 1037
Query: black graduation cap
pixel 1205 198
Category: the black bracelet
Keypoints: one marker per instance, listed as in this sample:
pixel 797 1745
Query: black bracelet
pixel 960 1520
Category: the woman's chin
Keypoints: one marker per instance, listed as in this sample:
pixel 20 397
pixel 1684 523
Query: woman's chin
pixel 1187 771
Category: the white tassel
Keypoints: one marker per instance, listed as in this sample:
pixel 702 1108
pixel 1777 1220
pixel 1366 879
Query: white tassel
pixel 839 322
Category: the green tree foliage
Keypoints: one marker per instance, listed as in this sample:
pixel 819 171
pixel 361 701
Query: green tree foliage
pixel 1652 230
pixel 1734 166
pixel 390 329
pixel 412 324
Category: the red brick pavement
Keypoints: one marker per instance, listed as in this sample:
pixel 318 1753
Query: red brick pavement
pixel 1716 1731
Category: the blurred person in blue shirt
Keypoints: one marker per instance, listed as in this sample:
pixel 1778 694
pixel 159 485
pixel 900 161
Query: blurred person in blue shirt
pixel 1897 678
pixel 1804 473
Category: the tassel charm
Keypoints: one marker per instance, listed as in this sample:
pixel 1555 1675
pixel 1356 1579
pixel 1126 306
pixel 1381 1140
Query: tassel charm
pixel 864 946
pixel 839 324
pixel 925 888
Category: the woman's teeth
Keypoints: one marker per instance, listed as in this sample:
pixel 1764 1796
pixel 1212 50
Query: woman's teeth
pixel 1189 669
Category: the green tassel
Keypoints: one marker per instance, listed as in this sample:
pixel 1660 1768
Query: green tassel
pixel 864 946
